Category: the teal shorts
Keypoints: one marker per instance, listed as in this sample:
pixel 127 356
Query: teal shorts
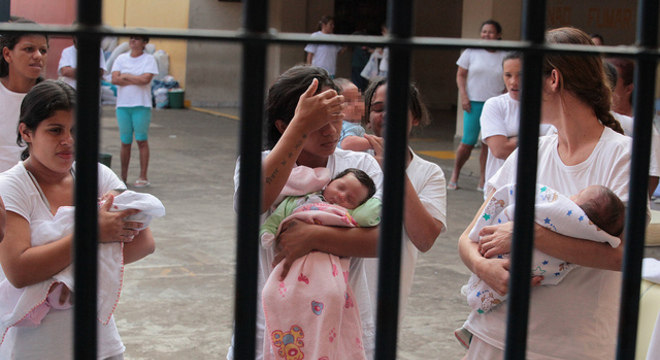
pixel 131 120
pixel 471 126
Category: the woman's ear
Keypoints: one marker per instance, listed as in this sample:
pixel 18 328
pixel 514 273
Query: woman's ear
pixel 554 80
pixel 281 126
pixel 6 54
pixel 26 133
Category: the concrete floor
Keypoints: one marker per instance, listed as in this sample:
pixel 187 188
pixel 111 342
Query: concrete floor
pixel 178 302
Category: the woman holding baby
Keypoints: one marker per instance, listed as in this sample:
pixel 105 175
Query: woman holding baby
pixel 33 191
pixel 576 319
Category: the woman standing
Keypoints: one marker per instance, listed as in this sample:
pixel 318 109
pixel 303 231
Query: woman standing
pixel 304 121
pixel 21 66
pixel 479 77
pixel 132 72
pixel 576 319
pixel 425 193
pixel 324 55
pixel 33 191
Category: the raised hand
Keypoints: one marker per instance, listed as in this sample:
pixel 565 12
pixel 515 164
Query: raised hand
pixel 315 111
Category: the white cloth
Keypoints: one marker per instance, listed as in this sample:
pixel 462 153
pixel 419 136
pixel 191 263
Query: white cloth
pixel 577 318
pixel 499 117
pixel 10 103
pixel 337 162
pixel 627 125
pixel 429 183
pixel 70 58
pixel 135 95
pixel 651 270
pixel 484 79
pixel 553 211
pixel 325 55
pixel 653 352
pixel 22 197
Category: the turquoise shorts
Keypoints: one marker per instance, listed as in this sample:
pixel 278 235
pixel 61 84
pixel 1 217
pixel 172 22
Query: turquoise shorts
pixel 131 120
pixel 471 126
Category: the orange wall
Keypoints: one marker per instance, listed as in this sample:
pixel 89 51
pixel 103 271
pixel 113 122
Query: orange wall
pixel 61 12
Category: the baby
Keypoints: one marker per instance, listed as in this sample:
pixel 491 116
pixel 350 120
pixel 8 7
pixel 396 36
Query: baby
pixel 33 302
pixel 595 213
pixel 352 132
pixel 314 301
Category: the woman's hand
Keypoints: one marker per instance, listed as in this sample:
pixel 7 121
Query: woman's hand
pixel 294 241
pixel 112 227
pixel 378 145
pixel 465 103
pixel 495 272
pixel 495 239
pixel 317 110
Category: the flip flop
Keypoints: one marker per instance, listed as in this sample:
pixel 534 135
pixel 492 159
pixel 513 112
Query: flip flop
pixel 140 183
pixel 452 186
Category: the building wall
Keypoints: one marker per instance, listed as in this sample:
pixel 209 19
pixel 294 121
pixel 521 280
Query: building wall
pixel 170 14
pixel 213 67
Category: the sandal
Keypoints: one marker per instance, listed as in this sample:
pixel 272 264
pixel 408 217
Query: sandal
pixel 140 183
pixel 452 186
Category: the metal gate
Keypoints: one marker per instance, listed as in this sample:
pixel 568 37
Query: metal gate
pixel 255 39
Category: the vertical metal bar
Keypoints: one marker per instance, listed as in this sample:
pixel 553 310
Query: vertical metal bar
pixel 5 10
pixel 249 192
pixel 87 149
pixel 523 228
pixel 399 19
pixel 635 229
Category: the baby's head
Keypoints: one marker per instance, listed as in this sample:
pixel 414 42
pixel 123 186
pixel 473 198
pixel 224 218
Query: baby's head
pixel 350 189
pixel 353 99
pixel 603 208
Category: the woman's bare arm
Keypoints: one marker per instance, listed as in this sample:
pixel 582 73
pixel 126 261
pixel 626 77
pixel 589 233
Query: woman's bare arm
pixel 461 82
pixel 142 245
pixel 501 146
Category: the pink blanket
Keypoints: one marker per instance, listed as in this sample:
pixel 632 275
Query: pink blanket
pixel 311 313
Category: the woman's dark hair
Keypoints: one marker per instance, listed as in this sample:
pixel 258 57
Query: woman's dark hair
pixel 41 102
pixel 283 96
pixel 582 75
pixel 625 69
pixel 9 41
pixel 415 103
pixel 497 25
pixel 363 178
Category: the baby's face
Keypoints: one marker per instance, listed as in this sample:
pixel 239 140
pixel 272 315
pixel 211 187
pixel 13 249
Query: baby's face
pixel 354 103
pixel 347 191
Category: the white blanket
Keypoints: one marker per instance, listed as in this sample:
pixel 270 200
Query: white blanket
pixel 18 304
pixel 553 211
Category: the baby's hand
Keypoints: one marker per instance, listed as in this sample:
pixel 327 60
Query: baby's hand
pixel 495 240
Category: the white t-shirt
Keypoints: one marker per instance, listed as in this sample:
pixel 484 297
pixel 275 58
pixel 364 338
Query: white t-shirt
pixel 500 116
pixel 325 55
pixel 429 183
pixel 627 125
pixel 135 95
pixel 22 197
pixel 484 79
pixel 577 318
pixel 10 103
pixel 70 58
pixel 337 162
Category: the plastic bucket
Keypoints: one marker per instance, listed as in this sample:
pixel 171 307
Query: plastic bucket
pixel 105 159
pixel 175 98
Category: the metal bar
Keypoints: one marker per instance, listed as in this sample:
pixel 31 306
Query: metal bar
pixel 399 19
pixel 635 229
pixel 249 192
pixel 523 226
pixel 87 149
pixel 5 10
pixel 244 37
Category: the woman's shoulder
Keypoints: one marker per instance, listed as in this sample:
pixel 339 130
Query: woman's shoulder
pixel 612 139
pixel 15 174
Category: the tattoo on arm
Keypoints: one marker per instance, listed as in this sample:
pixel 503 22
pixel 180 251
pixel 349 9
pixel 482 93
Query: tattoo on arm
pixel 271 177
